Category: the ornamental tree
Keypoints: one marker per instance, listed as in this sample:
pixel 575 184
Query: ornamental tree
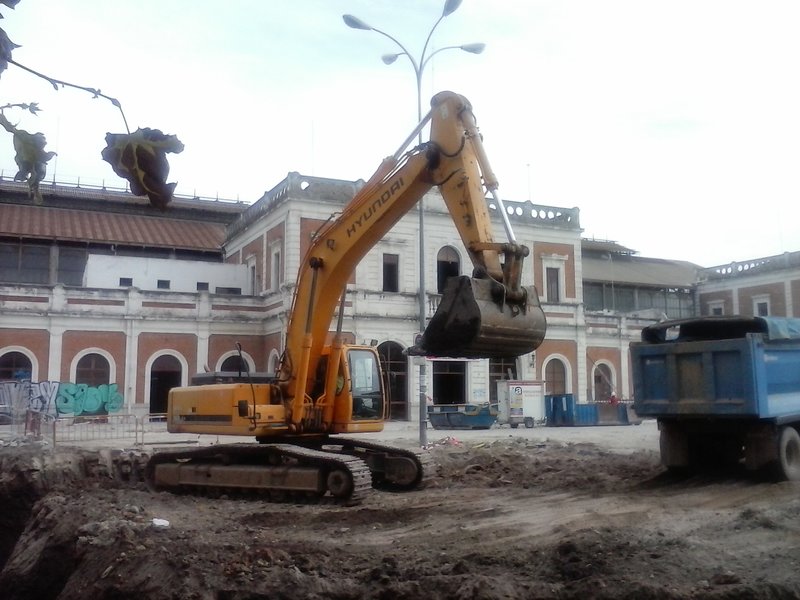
pixel 139 157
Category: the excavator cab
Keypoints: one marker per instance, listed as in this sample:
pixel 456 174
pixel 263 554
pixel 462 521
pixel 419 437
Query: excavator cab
pixel 365 385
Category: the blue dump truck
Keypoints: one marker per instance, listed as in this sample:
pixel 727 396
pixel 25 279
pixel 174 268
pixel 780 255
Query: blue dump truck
pixel 723 389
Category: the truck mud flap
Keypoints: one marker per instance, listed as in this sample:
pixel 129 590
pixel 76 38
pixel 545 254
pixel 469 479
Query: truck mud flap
pixel 475 319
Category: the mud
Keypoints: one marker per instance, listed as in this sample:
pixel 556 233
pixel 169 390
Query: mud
pixel 512 518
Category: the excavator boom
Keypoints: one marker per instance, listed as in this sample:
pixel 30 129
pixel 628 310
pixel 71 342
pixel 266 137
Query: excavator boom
pixel 503 318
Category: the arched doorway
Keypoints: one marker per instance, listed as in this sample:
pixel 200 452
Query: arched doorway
pixel 555 376
pixel 15 365
pixel 165 374
pixel 603 383
pixel 395 368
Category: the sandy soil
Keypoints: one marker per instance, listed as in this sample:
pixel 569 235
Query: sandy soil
pixel 507 516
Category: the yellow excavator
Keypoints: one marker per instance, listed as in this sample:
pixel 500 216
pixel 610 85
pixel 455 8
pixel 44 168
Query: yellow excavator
pixel 324 387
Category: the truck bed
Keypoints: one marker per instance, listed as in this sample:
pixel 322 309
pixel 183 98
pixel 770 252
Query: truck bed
pixel 722 367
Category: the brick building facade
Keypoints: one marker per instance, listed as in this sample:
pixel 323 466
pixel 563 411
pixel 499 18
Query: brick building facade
pixel 140 334
pixel 768 286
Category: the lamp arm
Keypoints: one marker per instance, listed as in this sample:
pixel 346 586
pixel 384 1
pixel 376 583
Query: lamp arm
pixel 434 53
pixel 402 47
pixel 422 59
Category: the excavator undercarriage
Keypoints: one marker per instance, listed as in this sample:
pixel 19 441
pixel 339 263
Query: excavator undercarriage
pixel 314 469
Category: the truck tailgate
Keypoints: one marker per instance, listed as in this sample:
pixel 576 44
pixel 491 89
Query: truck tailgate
pixel 712 377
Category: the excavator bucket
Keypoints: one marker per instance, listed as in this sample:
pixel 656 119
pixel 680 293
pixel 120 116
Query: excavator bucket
pixel 476 320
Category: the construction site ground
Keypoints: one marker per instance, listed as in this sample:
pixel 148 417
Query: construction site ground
pixel 561 512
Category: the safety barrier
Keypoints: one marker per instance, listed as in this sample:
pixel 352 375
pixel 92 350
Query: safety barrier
pixel 78 429
pixel 149 425
pixel 562 410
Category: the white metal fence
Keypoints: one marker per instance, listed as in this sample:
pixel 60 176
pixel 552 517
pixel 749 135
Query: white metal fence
pixel 129 429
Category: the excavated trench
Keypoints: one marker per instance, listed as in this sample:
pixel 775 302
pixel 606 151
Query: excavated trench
pixel 27 473
pixel 30 475
pixel 507 519
pixel 17 497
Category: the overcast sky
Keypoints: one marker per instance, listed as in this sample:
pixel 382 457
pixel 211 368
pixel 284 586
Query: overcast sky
pixel 674 126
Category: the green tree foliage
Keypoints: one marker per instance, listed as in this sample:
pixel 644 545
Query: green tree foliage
pixel 6 45
pixel 31 157
pixel 138 157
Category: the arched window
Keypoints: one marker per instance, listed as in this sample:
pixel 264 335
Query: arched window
pixel 234 363
pixel 555 375
pixel 15 365
pixel 93 370
pixel 274 362
pixel 603 383
pixel 448 264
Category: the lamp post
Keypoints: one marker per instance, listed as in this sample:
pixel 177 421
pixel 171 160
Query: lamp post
pixel 450 6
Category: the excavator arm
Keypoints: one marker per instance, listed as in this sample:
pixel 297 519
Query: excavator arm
pixel 485 316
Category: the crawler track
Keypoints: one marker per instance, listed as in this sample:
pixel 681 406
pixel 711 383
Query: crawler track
pixel 393 468
pixel 280 472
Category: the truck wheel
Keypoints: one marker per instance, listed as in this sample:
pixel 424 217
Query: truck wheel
pixel 528 422
pixel 514 425
pixel 789 454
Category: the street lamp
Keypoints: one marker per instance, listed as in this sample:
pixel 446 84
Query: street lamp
pixel 450 7
pixel 476 48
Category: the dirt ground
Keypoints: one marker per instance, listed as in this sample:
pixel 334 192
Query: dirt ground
pixel 521 516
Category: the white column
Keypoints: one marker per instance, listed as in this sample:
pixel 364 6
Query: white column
pixel 131 363
pixel 623 386
pixel 203 335
pixel 55 354
pixel 580 395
